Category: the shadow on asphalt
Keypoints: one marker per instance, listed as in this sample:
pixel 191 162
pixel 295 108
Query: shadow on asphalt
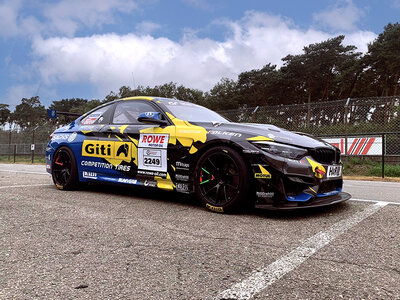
pixel 191 201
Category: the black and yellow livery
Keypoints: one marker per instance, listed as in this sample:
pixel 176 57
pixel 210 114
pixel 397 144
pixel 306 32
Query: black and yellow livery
pixel 176 145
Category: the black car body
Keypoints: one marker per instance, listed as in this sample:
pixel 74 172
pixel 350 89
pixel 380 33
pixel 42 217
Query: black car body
pixel 176 145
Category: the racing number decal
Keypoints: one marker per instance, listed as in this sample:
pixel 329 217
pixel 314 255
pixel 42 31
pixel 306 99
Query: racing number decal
pixel 152 152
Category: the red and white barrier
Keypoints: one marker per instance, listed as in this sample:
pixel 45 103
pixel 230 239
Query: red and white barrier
pixel 358 145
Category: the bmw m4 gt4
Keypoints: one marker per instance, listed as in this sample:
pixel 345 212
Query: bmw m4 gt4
pixel 175 145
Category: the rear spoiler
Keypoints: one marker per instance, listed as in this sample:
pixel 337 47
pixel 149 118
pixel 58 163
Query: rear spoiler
pixel 53 113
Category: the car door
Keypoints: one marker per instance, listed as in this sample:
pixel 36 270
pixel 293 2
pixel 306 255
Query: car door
pixel 91 146
pixel 140 150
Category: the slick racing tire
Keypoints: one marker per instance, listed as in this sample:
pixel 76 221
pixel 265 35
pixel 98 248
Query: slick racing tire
pixel 222 179
pixel 64 170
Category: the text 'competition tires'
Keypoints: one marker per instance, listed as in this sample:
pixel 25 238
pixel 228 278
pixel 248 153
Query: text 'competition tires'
pixel 222 179
pixel 64 171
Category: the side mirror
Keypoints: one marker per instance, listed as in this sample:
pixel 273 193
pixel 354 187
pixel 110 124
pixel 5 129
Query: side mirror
pixel 152 117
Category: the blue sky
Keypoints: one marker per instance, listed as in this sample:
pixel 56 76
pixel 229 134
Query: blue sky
pixel 85 49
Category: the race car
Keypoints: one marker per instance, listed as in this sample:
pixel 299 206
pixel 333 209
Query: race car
pixel 176 145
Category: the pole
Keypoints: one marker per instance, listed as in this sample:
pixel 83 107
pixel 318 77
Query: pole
pixel 346 111
pixel 383 155
pixel 15 152
pixel 9 144
pixel 33 143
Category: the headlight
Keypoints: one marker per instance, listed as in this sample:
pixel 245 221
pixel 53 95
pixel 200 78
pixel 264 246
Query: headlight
pixel 282 150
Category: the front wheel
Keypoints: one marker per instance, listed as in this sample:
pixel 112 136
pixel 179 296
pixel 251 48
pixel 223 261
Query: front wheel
pixel 64 171
pixel 222 179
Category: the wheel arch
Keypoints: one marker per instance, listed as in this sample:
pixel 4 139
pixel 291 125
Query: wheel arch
pixel 216 143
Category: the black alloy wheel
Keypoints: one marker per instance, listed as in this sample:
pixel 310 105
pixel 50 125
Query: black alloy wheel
pixel 221 179
pixel 64 171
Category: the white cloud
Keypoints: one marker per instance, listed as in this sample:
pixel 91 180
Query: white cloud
pixel 202 4
pixel 107 61
pixel 67 16
pixel 360 39
pixel 8 18
pixel 16 92
pixel 341 16
pixel 147 27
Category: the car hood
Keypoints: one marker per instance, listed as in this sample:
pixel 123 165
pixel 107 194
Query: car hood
pixel 247 130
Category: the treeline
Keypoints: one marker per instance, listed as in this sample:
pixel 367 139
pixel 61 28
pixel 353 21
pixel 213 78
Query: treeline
pixel 325 71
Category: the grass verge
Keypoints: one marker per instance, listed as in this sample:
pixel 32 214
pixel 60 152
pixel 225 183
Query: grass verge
pixel 25 159
pixel 365 167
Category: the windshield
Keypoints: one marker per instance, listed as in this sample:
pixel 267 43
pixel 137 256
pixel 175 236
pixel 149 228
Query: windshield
pixel 193 112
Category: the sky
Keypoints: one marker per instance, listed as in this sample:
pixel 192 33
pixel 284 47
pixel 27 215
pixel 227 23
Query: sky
pixel 88 48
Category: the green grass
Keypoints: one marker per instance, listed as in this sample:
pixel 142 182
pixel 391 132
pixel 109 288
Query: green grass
pixel 366 167
pixel 23 159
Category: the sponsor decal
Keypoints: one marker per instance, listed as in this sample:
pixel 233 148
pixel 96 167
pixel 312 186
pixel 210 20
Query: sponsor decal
pixel 62 136
pixel 182 177
pixel 264 173
pixel 127 180
pixel 103 165
pixel 318 169
pixel 149 140
pixel 152 173
pixel 265 194
pixel 215 208
pixel 182 187
pixel 247 151
pixel 182 166
pixel 90 175
pixel 107 149
pixel 90 119
pixel 302 161
pixel 48 167
pixel 227 133
pixel 151 114
pixel 150 183
pixel 72 137
pixel 261 175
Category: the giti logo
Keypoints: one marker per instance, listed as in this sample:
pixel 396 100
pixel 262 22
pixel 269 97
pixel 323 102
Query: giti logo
pixel 106 149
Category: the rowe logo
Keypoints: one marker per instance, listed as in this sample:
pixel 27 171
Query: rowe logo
pixel 106 149
pixel 153 140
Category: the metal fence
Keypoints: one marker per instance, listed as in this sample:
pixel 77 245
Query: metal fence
pixel 23 152
pixel 347 119
pixel 342 118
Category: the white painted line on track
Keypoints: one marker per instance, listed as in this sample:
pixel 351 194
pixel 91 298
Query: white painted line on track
pixel 27 172
pixel 265 276
pixel 374 201
pixel 20 186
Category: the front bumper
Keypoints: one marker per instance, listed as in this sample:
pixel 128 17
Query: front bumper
pixel 313 202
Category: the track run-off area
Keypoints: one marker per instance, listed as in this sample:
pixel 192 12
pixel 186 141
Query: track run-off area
pixel 103 242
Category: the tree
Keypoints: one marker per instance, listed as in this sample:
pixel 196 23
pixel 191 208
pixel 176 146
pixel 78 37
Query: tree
pixel 29 113
pixel 67 105
pixel 384 59
pixel 224 95
pixel 259 87
pixel 4 114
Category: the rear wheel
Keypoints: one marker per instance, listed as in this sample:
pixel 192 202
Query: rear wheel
pixel 222 179
pixel 64 170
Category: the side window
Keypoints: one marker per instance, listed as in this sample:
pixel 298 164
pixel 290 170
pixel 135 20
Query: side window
pixel 128 112
pixel 99 116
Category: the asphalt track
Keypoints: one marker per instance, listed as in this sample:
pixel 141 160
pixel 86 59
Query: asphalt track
pixel 112 243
